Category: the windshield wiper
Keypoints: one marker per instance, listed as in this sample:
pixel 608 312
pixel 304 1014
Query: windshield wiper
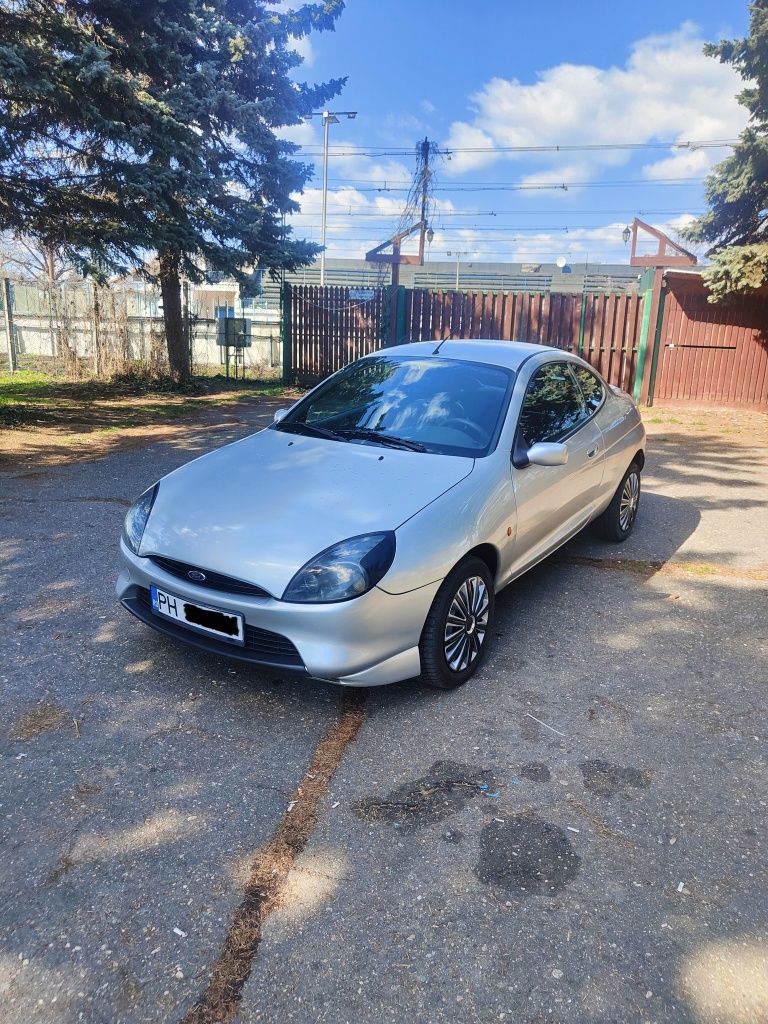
pixel 310 429
pixel 385 439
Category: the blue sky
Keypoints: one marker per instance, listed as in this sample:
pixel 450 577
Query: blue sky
pixel 479 78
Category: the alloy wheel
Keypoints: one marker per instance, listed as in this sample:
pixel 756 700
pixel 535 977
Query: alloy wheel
pixel 466 624
pixel 630 497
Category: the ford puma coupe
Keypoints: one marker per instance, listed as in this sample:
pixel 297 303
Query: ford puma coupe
pixel 361 538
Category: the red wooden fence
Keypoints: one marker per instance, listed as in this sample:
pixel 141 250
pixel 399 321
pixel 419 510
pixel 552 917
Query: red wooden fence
pixel 602 328
pixel 550 319
pixel 711 353
pixel 695 351
pixel 329 327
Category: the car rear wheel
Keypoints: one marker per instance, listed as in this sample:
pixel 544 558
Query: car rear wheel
pixel 455 635
pixel 618 519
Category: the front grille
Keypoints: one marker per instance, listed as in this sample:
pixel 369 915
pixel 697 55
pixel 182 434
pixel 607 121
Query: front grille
pixel 213 580
pixel 261 645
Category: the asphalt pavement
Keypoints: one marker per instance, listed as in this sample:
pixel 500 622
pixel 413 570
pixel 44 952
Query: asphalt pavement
pixel 577 836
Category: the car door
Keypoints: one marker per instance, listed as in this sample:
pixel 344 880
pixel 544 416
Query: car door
pixel 554 502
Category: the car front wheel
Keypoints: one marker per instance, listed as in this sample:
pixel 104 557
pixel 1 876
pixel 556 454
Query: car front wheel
pixel 618 519
pixel 455 635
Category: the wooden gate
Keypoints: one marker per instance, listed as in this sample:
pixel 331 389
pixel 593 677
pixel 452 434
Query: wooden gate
pixel 710 353
pixel 326 328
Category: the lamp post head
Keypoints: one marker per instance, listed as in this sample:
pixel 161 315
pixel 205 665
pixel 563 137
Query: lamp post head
pixel 626 233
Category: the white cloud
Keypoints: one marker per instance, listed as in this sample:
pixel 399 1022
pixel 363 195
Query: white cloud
pixel 303 46
pixel 303 134
pixel 686 163
pixel 466 136
pixel 667 89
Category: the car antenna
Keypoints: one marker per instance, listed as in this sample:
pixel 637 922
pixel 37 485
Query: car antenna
pixel 442 342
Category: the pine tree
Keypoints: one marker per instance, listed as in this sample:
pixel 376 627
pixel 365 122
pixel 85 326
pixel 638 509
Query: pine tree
pixel 736 223
pixel 135 130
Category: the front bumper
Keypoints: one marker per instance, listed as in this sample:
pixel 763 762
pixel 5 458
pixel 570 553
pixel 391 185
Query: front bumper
pixel 368 641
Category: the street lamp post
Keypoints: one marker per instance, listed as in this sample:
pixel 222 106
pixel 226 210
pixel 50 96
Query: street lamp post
pixel 329 117
pixel 458 256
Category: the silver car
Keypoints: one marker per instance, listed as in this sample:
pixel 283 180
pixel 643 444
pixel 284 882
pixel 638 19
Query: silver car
pixel 363 536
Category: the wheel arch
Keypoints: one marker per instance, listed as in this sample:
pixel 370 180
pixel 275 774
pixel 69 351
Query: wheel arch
pixel 486 553
pixel 639 458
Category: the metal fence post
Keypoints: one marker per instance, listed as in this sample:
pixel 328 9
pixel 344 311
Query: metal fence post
pixel 655 313
pixel 642 345
pixel 582 323
pixel 187 321
pixel 9 324
pixel 656 346
pixel 285 330
pixel 400 316
pixel 96 331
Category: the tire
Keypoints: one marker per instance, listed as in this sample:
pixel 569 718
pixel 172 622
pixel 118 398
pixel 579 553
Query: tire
pixel 617 521
pixel 449 659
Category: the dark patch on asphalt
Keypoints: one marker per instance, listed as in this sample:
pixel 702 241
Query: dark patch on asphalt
pixel 442 792
pixel 604 779
pixel 535 772
pixel 526 855
pixel 64 864
pixel 43 717
pixel 454 836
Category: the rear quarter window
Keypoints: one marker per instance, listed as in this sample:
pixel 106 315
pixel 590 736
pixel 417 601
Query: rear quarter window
pixel 592 387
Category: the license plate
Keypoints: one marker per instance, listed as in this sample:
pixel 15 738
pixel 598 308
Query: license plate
pixel 226 626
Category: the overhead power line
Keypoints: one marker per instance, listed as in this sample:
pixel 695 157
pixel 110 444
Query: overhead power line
pixel 311 149
pixel 533 186
pixel 442 214
pixel 395 182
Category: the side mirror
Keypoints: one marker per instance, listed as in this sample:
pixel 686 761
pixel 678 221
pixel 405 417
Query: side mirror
pixel 545 453
pixel 280 414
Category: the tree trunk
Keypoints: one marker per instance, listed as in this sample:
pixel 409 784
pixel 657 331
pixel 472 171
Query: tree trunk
pixel 175 336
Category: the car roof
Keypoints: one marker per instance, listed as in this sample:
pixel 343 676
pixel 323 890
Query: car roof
pixel 510 354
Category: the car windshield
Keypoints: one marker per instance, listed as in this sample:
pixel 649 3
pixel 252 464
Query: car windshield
pixel 420 404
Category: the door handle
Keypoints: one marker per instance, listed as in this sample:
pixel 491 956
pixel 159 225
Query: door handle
pixel 592 452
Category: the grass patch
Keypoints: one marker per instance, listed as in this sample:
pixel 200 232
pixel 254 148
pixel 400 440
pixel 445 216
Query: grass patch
pixel 29 398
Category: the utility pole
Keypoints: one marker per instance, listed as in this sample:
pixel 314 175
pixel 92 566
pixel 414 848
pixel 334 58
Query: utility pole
pixel 324 215
pixel 396 257
pixel 329 117
pixel 424 148
pixel 458 255
pixel 426 174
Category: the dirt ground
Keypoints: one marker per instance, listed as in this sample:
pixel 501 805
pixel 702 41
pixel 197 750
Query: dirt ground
pixel 45 422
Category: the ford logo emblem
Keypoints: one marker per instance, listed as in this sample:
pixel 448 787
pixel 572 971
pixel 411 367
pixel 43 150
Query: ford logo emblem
pixel 196 575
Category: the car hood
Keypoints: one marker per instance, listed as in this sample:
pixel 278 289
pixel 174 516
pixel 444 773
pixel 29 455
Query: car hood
pixel 261 508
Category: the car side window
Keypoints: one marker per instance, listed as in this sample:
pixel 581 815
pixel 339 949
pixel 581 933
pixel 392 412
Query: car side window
pixel 591 387
pixel 552 406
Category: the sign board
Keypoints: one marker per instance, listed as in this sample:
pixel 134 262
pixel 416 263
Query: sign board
pixel 362 294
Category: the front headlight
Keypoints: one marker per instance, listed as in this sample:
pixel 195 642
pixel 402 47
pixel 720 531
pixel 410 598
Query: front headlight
pixel 343 571
pixel 136 519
